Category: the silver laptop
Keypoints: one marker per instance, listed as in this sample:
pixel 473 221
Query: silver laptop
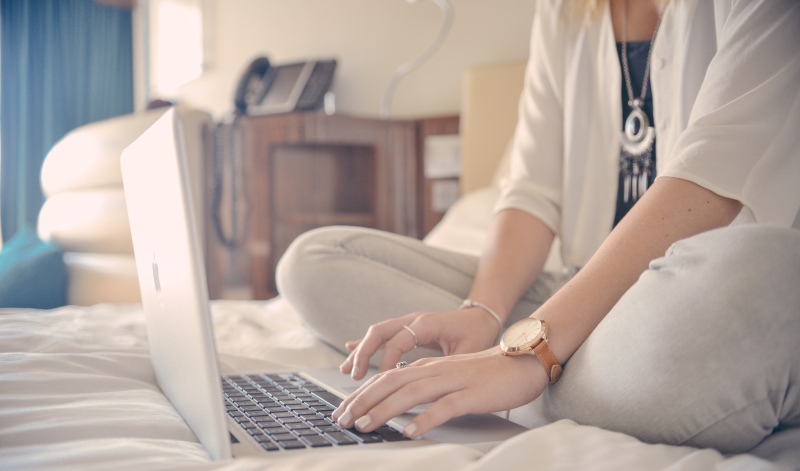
pixel 276 413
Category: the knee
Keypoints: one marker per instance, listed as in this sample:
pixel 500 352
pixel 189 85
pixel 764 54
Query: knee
pixel 734 276
pixel 302 262
pixel 743 260
pixel 712 327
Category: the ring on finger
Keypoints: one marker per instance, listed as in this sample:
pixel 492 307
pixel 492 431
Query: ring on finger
pixel 413 334
pixel 401 364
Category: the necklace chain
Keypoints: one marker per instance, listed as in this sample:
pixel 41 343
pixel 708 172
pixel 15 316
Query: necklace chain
pixel 625 68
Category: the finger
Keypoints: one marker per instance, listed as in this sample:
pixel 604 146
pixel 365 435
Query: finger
pixel 402 342
pixel 377 335
pixel 349 399
pixel 347 365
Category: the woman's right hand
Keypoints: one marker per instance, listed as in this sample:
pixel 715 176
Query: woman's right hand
pixel 452 332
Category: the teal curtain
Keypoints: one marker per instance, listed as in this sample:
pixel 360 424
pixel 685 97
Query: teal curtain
pixel 63 63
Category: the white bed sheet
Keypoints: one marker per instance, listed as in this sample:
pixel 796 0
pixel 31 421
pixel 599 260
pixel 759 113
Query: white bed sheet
pixel 77 391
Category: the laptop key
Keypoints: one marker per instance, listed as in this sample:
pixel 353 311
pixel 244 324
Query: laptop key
pixel 291 422
pixel 328 428
pixel 389 434
pixel 340 438
pixel 325 412
pixel 283 437
pixel 316 441
pixel 329 397
pixel 296 408
pixel 266 422
pixel 269 446
pixel 371 437
pixel 298 426
pixel 275 430
pixel 292 444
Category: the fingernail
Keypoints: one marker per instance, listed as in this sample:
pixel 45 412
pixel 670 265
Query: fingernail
pixel 344 420
pixel 409 430
pixel 354 373
pixel 363 422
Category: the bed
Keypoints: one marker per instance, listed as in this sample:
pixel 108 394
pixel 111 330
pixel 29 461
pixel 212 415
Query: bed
pixel 78 392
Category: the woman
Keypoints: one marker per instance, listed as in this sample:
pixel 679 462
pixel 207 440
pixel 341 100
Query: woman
pixel 697 346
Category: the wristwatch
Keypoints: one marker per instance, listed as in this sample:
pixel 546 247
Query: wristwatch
pixel 529 337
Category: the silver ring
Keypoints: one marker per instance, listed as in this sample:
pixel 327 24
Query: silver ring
pixel 412 334
pixel 401 364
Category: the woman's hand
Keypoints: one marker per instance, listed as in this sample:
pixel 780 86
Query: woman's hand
pixel 452 332
pixel 475 383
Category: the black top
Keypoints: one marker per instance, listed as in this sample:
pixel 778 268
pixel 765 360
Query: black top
pixel 637 61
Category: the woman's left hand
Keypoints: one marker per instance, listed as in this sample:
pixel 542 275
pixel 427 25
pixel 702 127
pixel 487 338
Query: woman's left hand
pixel 474 383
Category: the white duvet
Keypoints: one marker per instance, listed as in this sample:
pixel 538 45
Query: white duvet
pixel 77 391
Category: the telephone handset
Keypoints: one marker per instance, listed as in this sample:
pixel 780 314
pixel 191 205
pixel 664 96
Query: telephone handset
pixel 267 89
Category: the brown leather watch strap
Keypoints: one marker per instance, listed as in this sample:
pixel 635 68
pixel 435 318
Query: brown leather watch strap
pixel 549 360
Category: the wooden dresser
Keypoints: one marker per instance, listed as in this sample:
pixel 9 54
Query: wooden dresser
pixel 307 170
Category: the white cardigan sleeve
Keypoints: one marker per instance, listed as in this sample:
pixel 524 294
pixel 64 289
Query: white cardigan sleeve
pixel 535 179
pixel 743 140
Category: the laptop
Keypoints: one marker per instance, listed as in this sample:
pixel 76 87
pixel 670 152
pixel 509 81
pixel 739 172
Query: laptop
pixel 243 413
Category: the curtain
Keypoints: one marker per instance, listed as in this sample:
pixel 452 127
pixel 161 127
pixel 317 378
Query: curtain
pixel 63 63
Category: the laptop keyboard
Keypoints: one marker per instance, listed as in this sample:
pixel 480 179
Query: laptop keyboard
pixel 288 412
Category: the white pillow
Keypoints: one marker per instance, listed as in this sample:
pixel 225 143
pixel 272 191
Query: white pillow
pixel 88 156
pixel 87 221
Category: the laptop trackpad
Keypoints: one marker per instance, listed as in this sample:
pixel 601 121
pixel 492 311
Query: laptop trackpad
pixel 467 429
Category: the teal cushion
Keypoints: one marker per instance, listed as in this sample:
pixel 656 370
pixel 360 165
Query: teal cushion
pixel 32 273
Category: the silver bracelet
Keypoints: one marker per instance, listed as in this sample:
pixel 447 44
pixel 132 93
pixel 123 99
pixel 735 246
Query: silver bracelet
pixel 468 303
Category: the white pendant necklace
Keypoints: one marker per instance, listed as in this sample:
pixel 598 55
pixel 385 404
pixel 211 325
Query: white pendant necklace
pixel 636 158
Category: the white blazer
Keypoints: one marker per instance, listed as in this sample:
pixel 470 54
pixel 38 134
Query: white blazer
pixel 726 99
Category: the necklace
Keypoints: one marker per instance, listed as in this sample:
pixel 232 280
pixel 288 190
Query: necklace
pixel 636 158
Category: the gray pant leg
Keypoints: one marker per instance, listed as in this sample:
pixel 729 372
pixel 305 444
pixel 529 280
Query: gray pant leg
pixel 704 350
pixel 341 280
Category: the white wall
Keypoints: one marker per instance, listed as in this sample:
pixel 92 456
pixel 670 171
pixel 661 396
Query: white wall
pixel 370 39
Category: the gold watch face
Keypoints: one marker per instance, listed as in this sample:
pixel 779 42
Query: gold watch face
pixel 522 335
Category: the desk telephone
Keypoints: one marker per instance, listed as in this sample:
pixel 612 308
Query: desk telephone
pixel 267 89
